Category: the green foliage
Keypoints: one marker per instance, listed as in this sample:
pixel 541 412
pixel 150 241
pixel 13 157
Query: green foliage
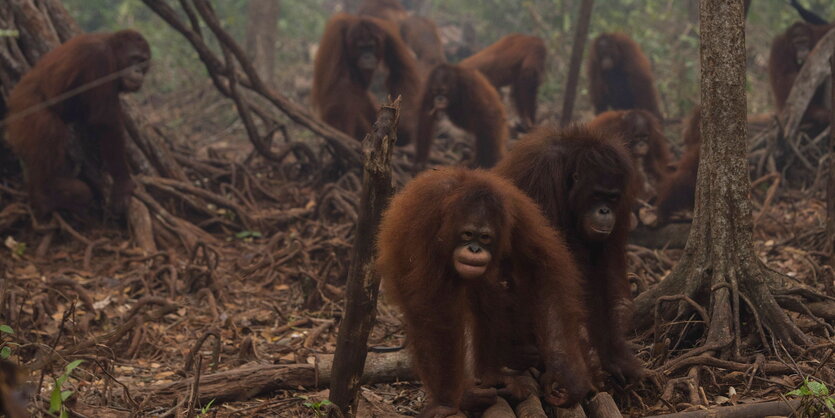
pixel 58 396
pixel 205 410
pixel 816 397
pixel 9 33
pixel 6 346
pixel 248 234
pixel 318 408
pixel 19 249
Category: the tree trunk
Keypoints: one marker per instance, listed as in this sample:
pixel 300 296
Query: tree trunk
pixel 351 6
pixel 830 184
pixel 577 49
pixel 718 267
pixel 419 7
pixel 261 36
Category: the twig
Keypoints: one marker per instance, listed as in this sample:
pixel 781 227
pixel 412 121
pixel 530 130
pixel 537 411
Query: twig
pixel 61 328
pixel 195 389
pixel 316 332
pixel 125 389
pixel 194 350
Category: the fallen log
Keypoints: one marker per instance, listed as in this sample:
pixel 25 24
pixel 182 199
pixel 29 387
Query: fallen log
pixel 254 379
pixel 574 412
pixel 501 409
pixel 379 368
pixel 530 408
pixel 754 410
pixel 603 406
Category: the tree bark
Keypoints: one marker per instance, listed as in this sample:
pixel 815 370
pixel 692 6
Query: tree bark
pixel 718 267
pixel 261 36
pixel 577 49
pixel 830 184
pixel 363 281
pixel 351 6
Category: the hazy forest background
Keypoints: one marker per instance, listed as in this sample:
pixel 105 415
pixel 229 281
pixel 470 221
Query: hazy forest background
pixel 667 30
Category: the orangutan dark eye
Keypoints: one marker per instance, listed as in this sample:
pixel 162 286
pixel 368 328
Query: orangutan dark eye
pixel 466 236
pixel 486 239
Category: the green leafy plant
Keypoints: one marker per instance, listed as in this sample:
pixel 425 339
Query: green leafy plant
pixel 816 397
pixel 248 234
pixel 9 33
pixel 205 409
pixel 5 346
pixel 56 400
pixel 318 408
pixel 19 249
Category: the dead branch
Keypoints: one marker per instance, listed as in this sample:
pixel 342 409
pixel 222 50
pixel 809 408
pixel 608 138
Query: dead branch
pixel 764 409
pixel 709 360
pixel 345 148
pixel 141 226
pixel 188 233
pixel 363 282
pixel 76 287
pixel 196 348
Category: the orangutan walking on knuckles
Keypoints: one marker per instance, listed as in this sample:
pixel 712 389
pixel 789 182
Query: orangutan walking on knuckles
pixel 41 121
pixel 517 61
pixel 465 253
pixel 583 181
pixel 472 104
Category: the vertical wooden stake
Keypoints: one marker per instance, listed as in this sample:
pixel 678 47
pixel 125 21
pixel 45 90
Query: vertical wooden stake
pixel 576 61
pixel 830 183
pixel 363 282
